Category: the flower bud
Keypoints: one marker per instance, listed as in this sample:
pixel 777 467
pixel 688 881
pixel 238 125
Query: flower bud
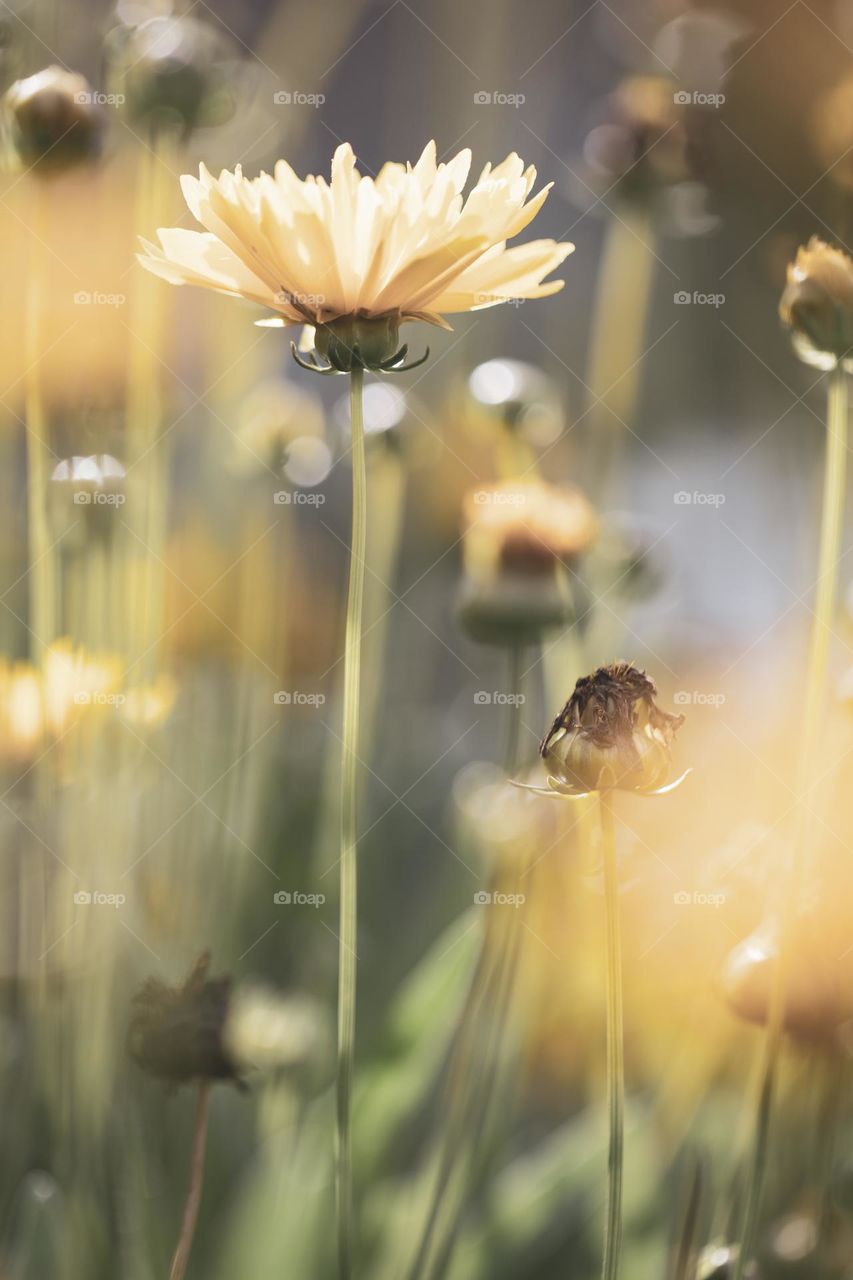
pixel 516 396
pixel 817 305
pixel 355 342
pixel 520 543
pixel 814 999
pixel 640 146
pixel 611 734
pixel 176 1033
pixel 55 123
pixel 174 71
pixel 88 492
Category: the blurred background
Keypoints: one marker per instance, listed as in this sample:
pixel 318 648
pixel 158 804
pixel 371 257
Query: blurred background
pixel 171 724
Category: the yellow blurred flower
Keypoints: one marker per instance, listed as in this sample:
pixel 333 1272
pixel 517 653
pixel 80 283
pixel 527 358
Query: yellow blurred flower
pixel 520 541
pixel 403 246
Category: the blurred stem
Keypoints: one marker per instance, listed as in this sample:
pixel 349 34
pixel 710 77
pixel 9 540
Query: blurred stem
pixel 41 561
pixel 475 1060
pixel 347 959
pixel 387 481
pixel 835 474
pixel 615 1042
pixel 618 329
pixel 193 1200
pixel 516 664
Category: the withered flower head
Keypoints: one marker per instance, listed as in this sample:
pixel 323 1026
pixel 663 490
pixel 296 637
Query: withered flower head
pixel 520 540
pixel 817 305
pixel 176 1033
pixel 611 734
pixel 56 122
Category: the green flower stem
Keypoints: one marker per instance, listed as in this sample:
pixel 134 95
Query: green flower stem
pixel 42 565
pixel 615 1043
pixel 349 861
pixel 188 1223
pixel 835 475
pixel 516 654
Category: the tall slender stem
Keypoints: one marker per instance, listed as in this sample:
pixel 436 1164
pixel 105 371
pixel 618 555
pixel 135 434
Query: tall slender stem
pixel 41 557
pixel 347 959
pixel 835 474
pixel 514 719
pixel 615 1043
pixel 193 1200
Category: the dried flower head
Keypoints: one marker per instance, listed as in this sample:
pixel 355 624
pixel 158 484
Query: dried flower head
pixel 56 123
pixel 519 542
pixel 176 1033
pixel 612 734
pixel 357 256
pixel 817 305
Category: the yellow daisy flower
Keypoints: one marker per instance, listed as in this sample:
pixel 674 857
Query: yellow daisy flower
pixel 357 256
